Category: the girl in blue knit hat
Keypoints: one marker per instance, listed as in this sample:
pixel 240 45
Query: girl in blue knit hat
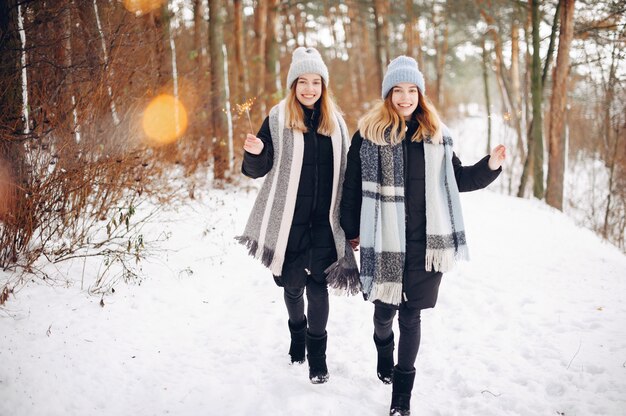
pixel 294 225
pixel 401 205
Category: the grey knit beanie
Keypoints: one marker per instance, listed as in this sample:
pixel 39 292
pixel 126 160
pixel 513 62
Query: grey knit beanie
pixel 306 61
pixel 402 69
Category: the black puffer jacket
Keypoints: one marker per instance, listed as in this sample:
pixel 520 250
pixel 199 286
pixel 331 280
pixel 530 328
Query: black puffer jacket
pixel 311 247
pixel 419 286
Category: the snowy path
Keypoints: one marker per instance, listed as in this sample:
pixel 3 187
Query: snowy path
pixel 535 324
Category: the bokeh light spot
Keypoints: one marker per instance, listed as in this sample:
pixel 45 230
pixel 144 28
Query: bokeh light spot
pixel 165 119
pixel 140 7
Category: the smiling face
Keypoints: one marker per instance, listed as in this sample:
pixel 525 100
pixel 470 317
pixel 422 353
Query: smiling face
pixel 308 89
pixel 405 98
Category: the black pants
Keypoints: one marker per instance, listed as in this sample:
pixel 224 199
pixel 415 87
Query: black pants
pixel 317 309
pixel 410 331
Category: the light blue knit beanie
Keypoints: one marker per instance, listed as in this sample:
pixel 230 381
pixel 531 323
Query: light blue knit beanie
pixel 306 61
pixel 402 69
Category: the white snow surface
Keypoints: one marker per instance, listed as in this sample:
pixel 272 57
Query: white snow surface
pixel 534 324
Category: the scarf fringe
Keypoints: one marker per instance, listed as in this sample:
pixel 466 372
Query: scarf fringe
pixel 387 292
pixel 343 275
pixel 267 254
pixel 443 260
pixel 342 279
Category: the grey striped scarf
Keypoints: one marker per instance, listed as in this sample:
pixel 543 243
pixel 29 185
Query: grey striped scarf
pixel 268 226
pixel 383 236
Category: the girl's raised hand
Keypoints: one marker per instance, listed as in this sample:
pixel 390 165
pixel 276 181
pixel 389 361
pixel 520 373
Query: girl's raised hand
pixel 497 156
pixel 253 144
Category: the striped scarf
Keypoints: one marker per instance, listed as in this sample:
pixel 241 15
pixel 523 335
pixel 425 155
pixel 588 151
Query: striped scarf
pixel 268 226
pixel 383 235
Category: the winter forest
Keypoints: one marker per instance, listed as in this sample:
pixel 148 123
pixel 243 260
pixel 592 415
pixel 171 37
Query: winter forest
pixel 104 102
pixel 117 116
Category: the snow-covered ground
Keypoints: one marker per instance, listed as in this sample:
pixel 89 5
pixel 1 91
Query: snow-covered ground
pixel 535 324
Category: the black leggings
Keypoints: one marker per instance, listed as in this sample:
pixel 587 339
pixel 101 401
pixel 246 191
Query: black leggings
pixel 410 331
pixel 317 310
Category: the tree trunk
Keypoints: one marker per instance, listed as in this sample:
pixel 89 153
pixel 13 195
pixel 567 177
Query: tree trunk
pixel 13 170
pixel 409 28
pixel 227 110
pixel 536 91
pixel 611 153
pixel 68 134
pixel 333 31
pixel 504 84
pixel 381 53
pixel 516 107
pixel 260 32
pixel 442 51
pixel 528 162
pixel 487 99
pixel 24 72
pixel 240 73
pixel 271 54
pixel 174 63
pixel 418 45
pixel 197 32
pixel 218 118
pixel 105 57
pixel 558 102
pixel 354 35
pixel 555 25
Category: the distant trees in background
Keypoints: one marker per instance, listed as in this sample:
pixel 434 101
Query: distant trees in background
pixel 76 77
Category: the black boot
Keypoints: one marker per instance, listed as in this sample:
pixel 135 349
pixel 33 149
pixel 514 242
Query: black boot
pixel 384 368
pixel 298 344
pixel 401 395
pixel 316 347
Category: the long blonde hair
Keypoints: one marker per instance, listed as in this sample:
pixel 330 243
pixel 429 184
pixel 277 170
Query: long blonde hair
pixel 294 117
pixel 383 117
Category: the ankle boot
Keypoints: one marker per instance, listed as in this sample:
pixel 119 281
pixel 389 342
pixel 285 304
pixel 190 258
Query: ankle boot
pixel 401 395
pixel 298 344
pixel 316 347
pixel 384 367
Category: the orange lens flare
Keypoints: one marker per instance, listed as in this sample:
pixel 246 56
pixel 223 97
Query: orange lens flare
pixel 140 7
pixel 164 120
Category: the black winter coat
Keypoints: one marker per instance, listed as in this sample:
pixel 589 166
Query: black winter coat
pixel 311 246
pixel 420 287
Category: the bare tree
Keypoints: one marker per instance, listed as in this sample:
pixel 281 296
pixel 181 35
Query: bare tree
pixel 537 100
pixel 260 32
pixel 216 41
pixel 380 29
pixel 271 54
pixel 240 70
pixel 485 62
pixel 557 155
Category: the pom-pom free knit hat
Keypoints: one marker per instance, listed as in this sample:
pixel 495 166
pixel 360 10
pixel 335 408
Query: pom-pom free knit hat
pixel 402 69
pixel 306 61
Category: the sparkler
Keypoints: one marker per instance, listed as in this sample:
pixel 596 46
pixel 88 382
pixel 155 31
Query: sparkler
pixel 246 106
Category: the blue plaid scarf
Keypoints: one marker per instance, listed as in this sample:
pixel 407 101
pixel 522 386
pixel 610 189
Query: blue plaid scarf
pixel 383 236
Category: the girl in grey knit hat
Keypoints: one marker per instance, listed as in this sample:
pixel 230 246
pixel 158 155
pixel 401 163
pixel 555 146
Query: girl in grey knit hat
pixel 294 227
pixel 401 205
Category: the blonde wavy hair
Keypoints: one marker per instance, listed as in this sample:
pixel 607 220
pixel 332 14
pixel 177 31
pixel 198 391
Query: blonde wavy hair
pixel 383 116
pixel 294 117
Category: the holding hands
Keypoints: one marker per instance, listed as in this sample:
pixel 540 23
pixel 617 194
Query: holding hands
pixel 255 145
pixel 497 156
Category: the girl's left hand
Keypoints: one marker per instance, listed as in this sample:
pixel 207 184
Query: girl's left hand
pixel 354 243
pixel 497 156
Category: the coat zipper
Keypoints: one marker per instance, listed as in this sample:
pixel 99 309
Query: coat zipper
pixel 315 192
pixel 405 159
